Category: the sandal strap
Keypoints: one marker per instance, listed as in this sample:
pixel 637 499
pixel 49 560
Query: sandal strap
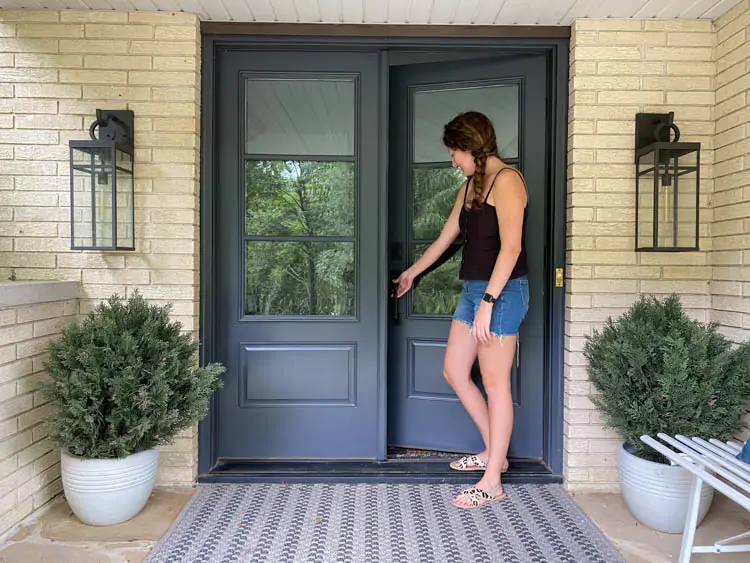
pixel 478 461
pixel 476 495
pixel 475 460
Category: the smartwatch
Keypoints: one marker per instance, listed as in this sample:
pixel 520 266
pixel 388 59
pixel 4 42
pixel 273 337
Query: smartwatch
pixel 488 298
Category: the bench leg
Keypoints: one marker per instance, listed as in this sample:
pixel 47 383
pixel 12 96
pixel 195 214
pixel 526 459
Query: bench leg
pixel 688 533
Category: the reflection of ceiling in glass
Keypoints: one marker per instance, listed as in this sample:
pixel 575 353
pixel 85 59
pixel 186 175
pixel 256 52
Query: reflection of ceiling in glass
pixel 298 117
pixel 433 109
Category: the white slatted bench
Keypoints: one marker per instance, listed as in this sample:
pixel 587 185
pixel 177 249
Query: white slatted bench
pixel 714 463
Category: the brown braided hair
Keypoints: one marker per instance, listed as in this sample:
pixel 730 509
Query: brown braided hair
pixel 472 132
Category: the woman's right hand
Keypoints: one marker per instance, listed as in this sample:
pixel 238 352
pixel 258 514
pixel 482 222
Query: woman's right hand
pixel 404 282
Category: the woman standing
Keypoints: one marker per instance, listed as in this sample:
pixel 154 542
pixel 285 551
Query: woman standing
pixel 490 213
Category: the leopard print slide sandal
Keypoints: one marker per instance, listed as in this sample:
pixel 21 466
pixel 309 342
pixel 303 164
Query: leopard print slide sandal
pixel 477 498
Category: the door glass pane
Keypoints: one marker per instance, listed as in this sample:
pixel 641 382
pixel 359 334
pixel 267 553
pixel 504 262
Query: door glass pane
pixel 437 293
pixel 434 194
pixel 299 198
pixel 298 117
pixel 434 108
pixel 299 278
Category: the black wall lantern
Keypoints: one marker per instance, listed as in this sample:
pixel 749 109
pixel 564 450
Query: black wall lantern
pixel 667 186
pixel 102 210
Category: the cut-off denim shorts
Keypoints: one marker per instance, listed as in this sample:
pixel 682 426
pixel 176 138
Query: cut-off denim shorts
pixel 508 311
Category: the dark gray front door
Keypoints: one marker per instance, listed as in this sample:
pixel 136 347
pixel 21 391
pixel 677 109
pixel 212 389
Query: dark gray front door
pixel 296 244
pixel 423 411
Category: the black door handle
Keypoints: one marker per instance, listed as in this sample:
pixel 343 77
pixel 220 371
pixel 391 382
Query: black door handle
pixel 393 295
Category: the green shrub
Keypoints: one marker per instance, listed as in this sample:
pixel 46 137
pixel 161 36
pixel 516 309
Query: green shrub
pixel 656 369
pixel 125 379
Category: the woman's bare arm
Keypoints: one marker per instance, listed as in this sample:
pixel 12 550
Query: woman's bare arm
pixel 447 235
pixel 509 199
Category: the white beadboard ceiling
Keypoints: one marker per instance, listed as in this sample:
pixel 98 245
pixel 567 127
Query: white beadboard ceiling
pixel 478 12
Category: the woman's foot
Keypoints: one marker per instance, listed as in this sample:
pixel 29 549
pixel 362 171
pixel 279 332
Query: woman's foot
pixel 476 462
pixel 478 495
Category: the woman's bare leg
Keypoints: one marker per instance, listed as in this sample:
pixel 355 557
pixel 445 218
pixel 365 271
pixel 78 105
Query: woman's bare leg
pixel 496 362
pixel 459 358
pixel 460 353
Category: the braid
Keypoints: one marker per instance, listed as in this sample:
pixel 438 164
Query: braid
pixel 473 132
pixel 480 163
pixel 480 160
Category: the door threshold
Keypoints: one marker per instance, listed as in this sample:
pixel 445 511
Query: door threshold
pixel 391 471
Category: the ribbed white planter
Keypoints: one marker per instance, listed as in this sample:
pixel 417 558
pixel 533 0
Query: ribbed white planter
pixel 103 492
pixel 658 494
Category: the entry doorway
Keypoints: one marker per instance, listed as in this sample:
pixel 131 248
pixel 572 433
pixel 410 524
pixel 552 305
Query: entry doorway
pixel 327 176
pixel 423 411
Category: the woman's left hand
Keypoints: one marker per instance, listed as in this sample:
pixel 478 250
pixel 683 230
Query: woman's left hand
pixel 481 328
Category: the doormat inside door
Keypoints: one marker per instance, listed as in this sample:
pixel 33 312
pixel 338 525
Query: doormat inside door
pixel 395 452
pixel 373 523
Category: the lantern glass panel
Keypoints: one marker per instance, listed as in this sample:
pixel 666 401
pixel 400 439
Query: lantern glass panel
pixel 645 203
pixel 682 195
pixel 677 204
pixel 92 186
pixel 665 214
pixel 125 203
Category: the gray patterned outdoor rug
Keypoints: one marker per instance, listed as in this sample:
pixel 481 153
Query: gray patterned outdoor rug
pixel 374 523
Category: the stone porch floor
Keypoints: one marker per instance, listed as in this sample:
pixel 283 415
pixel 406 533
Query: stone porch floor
pixel 56 536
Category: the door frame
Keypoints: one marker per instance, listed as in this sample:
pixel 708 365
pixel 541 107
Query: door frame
pixel 552 42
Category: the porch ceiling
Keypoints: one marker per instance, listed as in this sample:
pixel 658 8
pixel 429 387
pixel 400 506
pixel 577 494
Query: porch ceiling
pixel 480 12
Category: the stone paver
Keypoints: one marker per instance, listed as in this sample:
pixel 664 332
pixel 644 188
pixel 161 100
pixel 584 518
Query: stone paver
pixel 31 552
pixel 60 524
pixel 57 536
pixel 640 544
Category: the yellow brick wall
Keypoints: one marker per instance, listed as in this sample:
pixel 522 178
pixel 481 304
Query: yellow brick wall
pixel 620 68
pixel 730 286
pixel 29 466
pixel 56 69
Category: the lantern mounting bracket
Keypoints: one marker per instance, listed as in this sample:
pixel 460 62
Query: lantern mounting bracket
pixel 113 125
pixel 653 128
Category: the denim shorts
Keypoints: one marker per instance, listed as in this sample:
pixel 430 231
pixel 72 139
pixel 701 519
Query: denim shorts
pixel 508 311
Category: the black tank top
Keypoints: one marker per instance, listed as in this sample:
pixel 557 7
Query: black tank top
pixel 481 236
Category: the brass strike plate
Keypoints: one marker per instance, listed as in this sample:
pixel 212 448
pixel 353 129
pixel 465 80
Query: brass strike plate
pixel 559 277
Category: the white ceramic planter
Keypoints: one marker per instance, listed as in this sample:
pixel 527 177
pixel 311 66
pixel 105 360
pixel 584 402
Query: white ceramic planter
pixel 103 492
pixel 658 494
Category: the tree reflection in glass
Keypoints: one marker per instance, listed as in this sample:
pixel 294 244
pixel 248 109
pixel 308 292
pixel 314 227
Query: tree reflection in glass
pixel 299 225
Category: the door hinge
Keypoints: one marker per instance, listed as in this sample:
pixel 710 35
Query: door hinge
pixel 559 277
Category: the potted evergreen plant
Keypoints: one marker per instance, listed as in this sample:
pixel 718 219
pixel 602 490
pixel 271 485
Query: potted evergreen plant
pixel 122 381
pixel 656 369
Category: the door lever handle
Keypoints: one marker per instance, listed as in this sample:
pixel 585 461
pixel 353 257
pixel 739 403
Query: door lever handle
pixel 518 352
pixel 393 299
pixel 394 305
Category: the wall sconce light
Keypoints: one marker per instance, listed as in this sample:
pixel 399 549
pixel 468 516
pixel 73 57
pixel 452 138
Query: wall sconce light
pixel 102 210
pixel 667 186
